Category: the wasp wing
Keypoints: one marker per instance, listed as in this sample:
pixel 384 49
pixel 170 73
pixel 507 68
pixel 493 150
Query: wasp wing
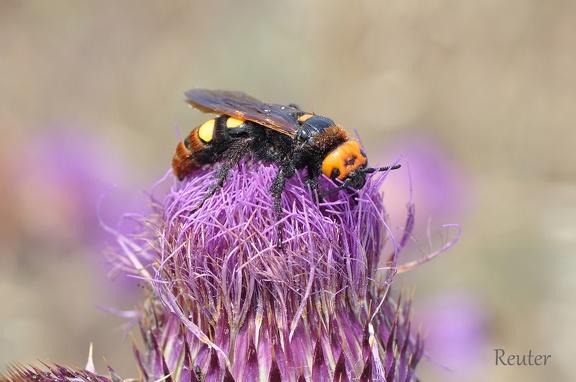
pixel 242 106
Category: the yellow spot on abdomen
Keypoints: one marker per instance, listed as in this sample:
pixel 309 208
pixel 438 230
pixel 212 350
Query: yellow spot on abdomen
pixel 232 122
pixel 206 131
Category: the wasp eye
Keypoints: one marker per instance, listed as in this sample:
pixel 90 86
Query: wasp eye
pixel 335 173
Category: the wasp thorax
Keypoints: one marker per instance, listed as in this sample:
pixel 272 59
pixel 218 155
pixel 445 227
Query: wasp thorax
pixel 313 126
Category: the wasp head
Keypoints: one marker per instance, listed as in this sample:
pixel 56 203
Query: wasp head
pixel 346 163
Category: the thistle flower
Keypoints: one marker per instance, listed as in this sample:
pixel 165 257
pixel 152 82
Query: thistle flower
pixel 225 304
pixel 55 373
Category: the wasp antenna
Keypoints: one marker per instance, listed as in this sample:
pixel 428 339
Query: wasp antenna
pixel 370 170
pixel 341 187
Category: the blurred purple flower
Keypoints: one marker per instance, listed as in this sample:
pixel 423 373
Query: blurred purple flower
pixel 438 186
pixel 74 169
pixel 457 331
pixel 76 172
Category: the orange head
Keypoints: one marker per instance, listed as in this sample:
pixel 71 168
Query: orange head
pixel 345 163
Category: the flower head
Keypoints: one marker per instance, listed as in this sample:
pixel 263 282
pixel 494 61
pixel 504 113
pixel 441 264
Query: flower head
pixel 226 304
pixel 55 373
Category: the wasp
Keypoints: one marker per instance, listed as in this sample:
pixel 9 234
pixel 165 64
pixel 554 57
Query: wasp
pixel 282 134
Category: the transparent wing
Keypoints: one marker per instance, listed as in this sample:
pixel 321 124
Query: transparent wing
pixel 242 106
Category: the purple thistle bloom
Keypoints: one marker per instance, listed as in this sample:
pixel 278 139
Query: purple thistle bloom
pixel 226 304
pixel 55 373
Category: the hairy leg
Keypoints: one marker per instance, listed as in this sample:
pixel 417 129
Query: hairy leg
pixel 233 155
pixel 286 171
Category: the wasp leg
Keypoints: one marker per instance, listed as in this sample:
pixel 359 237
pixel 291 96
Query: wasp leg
pixel 311 182
pixel 234 154
pixel 286 171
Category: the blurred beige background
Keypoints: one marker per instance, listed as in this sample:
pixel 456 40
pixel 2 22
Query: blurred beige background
pixel 91 96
